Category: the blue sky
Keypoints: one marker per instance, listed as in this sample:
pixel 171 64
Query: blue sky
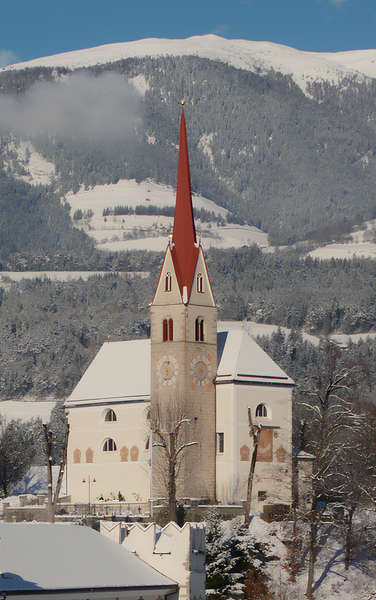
pixel 34 28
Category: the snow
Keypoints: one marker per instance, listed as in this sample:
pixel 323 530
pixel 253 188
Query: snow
pixel 7 277
pixel 108 231
pixel 25 410
pixel 104 379
pixel 242 359
pixel 242 54
pixel 40 170
pixel 351 250
pixel 330 578
pixel 59 557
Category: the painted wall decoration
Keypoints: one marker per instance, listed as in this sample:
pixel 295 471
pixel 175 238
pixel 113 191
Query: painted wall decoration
pixel 244 453
pixel 265 447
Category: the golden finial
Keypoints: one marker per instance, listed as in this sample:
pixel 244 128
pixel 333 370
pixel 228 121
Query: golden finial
pixel 182 102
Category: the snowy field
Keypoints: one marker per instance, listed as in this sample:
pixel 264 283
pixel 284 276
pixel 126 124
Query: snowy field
pixel 242 54
pixel 151 232
pixel 25 410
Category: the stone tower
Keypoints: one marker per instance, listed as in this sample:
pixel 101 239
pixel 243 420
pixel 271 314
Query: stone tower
pixel 184 340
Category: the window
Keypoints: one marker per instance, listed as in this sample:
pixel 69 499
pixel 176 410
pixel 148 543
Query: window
pixel 200 283
pixel 261 496
pixel 261 411
pixel 220 443
pixel 199 329
pixel 168 330
pixel 109 445
pixel 110 416
pixel 168 281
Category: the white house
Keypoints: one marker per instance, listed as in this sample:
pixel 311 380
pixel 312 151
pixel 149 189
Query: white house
pixel 52 561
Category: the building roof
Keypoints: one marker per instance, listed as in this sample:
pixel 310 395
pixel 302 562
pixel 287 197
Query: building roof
pixel 36 557
pixel 184 248
pixel 116 374
pixel 241 359
pixel 120 372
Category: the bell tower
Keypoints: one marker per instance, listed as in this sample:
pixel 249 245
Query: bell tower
pixel 184 339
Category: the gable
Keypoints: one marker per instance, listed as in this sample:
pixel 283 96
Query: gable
pixel 161 296
pixel 204 297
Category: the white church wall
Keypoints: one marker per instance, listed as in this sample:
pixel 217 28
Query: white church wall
pixel 122 470
pixel 273 468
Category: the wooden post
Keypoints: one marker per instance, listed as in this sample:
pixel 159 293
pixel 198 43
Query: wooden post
pixel 255 433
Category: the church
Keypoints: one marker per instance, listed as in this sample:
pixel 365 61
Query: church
pixel 210 379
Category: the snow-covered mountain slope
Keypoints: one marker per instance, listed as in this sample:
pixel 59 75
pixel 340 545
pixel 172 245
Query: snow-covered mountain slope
pixel 242 54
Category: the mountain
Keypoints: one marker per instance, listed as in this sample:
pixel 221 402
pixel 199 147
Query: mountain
pixel 258 57
pixel 284 140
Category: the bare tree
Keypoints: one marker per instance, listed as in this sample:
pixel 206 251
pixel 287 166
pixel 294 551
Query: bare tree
pixel 174 435
pixel 52 498
pixel 328 434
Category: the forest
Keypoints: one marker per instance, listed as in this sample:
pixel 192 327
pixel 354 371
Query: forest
pixel 50 331
pixel 297 167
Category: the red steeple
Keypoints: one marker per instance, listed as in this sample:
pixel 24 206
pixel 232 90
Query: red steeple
pixel 184 246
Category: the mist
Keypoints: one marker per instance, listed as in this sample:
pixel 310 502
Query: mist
pixel 103 109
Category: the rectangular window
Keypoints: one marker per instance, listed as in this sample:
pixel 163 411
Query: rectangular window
pixel 262 496
pixel 220 443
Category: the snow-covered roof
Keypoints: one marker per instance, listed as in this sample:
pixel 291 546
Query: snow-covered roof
pixel 119 372
pixel 240 358
pixel 36 557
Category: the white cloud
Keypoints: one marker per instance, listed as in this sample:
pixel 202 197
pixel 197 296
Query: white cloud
pixel 7 57
pixel 337 2
pixel 102 108
pixel 220 29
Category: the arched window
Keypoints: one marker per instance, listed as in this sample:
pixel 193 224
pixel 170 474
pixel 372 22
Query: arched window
pixel 261 411
pixel 168 330
pixel 200 283
pixel 110 415
pixel 168 281
pixel 199 329
pixel 109 445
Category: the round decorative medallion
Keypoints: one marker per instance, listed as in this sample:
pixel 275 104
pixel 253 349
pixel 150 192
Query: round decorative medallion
pixel 200 370
pixel 167 370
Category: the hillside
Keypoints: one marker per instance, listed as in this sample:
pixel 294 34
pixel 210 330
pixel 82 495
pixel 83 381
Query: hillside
pixel 297 161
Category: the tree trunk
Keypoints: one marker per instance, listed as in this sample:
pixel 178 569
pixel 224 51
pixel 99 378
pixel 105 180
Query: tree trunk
pixel 255 435
pixel 312 550
pixel 171 479
pixel 48 441
pixel 61 473
pixel 348 537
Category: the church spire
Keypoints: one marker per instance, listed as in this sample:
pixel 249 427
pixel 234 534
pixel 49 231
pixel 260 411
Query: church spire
pixel 184 246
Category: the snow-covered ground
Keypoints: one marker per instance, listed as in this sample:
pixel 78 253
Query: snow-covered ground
pixel 330 578
pixel 7 277
pixel 40 171
pixel 151 231
pixel 25 410
pixel 242 54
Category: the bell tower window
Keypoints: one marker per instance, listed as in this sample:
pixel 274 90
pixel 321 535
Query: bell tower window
pixel 168 330
pixel 199 329
pixel 200 283
pixel 168 282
